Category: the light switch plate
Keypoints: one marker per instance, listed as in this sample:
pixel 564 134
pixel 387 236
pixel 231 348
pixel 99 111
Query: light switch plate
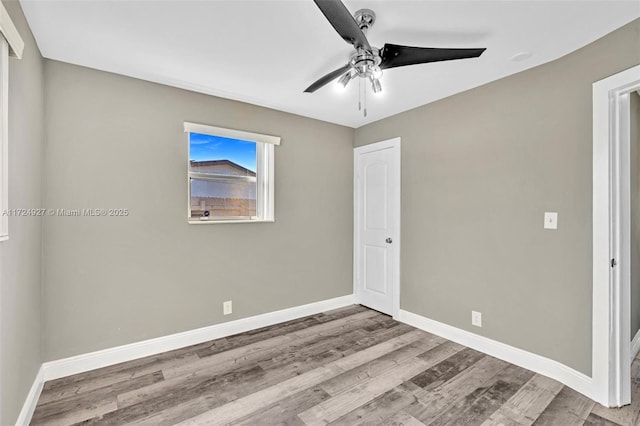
pixel 550 220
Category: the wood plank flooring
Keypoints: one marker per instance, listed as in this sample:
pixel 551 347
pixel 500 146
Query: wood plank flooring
pixel 350 366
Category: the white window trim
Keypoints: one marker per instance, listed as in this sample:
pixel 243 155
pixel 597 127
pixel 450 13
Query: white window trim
pixel 4 138
pixel 10 33
pixel 11 44
pixel 265 176
pixel 230 133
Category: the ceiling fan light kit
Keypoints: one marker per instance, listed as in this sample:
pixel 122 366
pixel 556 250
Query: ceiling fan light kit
pixel 367 62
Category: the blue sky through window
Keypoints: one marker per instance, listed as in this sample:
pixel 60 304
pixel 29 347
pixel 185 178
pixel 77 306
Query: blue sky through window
pixel 207 147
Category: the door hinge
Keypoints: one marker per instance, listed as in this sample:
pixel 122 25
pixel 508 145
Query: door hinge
pixel 614 263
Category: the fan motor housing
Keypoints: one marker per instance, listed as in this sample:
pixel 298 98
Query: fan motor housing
pixel 363 61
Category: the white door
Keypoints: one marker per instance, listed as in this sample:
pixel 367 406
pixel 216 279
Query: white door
pixel 377 226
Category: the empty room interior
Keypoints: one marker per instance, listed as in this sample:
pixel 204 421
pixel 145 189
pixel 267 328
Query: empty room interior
pixel 312 212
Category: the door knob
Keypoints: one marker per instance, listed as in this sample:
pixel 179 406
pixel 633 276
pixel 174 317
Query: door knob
pixel 389 240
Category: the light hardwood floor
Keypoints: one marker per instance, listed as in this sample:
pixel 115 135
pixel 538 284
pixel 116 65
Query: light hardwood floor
pixel 345 367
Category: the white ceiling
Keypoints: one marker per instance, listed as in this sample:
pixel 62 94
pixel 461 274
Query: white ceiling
pixel 267 52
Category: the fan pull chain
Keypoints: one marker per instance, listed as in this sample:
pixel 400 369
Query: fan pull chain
pixel 365 99
pixel 359 94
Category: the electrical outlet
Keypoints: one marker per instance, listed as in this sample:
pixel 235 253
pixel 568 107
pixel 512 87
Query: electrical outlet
pixel 476 318
pixel 227 308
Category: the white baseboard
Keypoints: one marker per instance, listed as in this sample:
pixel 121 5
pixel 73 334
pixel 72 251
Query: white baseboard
pixel 77 364
pixel 90 361
pixel 29 406
pixel 635 345
pixel 539 364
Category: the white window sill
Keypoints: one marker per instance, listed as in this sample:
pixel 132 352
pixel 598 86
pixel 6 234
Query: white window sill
pixel 214 222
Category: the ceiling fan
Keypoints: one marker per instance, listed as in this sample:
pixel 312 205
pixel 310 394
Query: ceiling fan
pixel 367 62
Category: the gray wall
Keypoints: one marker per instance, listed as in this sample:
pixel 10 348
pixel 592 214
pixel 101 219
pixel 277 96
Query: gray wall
pixel 117 142
pixel 20 307
pixel 479 170
pixel 635 214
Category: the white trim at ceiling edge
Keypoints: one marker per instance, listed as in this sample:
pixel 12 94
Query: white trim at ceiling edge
pixel 635 345
pixel 52 370
pixel 10 33
pixel 539 364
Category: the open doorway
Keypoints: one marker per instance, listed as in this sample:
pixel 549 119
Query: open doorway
pixel 613 197
pixel 634 126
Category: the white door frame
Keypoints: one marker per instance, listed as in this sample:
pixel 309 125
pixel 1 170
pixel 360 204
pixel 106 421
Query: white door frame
pixel 611 238
pixel 394 144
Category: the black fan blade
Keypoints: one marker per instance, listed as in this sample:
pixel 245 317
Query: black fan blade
pixel 394 55
pixel 342 21
pixel 327 78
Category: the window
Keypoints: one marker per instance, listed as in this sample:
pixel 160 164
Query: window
pixel 230 175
